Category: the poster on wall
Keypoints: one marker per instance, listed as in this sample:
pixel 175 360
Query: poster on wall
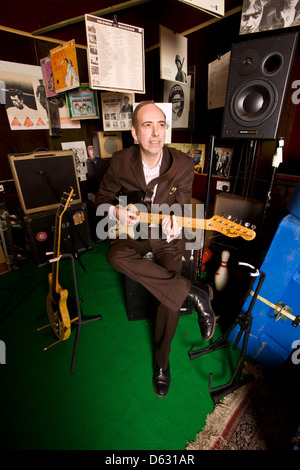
pixel 81 157
pixel 65 67
pixel 196 152
pixel 173 55
pixel 179 97
pixel 22 91
pixel 215 8
pixel 116 59
pixel 268 15
pixel 117 111
pixel 48 76
pixel 223 160
pixel 83 103
pixel 218 71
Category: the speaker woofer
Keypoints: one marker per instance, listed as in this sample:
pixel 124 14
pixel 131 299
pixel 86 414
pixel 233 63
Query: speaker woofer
pixel 253 103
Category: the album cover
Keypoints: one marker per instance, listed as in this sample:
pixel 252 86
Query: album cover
pixel 65 67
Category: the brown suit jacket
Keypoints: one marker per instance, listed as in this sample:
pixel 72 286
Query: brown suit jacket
pixel 125 175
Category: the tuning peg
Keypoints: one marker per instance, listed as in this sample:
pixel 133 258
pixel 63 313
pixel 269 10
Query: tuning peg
pixel 247 224
pixel 253 227
pixel 229 217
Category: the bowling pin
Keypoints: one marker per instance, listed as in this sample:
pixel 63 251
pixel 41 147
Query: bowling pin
pixel 221 275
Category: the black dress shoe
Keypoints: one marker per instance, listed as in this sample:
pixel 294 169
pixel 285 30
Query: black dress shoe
pixel 201 297
pixel 161 380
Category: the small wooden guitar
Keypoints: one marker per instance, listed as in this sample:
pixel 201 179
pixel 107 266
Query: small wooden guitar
pixel 57 296
pixel 220 224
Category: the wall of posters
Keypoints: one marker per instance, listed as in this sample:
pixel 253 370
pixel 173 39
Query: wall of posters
pixel 115 55
pixel 117 111
pixel 23 93
pixel 65 67
pixel 83 103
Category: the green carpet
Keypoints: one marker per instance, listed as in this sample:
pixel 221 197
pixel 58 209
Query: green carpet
pixel 108 402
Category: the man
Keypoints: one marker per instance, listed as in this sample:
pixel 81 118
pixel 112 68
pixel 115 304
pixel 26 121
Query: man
pixel 181 75
pixel 251 16
pixel 132 170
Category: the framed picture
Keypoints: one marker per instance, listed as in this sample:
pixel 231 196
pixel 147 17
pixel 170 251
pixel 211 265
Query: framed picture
pixel 83 103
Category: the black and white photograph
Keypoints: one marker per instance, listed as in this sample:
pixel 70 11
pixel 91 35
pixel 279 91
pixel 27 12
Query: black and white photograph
pixel 223 160
pixel 173 55
pixel 179 96
pixel 266 15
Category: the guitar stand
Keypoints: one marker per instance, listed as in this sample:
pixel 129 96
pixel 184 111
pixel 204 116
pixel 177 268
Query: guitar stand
pixel 79 320
pixel 244 320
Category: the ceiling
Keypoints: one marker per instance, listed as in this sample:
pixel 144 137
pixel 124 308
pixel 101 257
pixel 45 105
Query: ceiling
pixel 60 19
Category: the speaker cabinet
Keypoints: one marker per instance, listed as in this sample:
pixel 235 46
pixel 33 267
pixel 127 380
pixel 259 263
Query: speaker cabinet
pixel 75 232
pixel 106 143
pixel 258 77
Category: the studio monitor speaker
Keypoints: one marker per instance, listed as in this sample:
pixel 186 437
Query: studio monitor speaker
pixel 257 81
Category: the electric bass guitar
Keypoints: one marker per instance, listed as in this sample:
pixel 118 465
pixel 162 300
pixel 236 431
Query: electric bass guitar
pixel 226 227
pixel 56 302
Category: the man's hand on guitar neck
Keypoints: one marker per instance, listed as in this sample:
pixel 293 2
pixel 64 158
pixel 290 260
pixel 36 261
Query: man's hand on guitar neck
pixel 125 216
pixel 170 227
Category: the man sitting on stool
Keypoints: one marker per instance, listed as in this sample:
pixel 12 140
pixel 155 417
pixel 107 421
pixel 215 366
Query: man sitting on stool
pixel 132 170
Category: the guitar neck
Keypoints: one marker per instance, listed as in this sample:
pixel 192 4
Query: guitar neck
pixel 56 248
pixel 188 222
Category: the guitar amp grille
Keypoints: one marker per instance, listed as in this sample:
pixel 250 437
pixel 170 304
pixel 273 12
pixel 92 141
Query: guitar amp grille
pixel 75 232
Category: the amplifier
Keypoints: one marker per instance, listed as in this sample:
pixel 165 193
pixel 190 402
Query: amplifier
pixel 75 232
pixel 142 305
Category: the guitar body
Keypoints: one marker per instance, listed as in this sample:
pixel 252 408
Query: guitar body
pixel 57 310
pixel 56 301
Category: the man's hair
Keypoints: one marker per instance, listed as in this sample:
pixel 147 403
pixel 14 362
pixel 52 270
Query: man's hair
pixel 138 107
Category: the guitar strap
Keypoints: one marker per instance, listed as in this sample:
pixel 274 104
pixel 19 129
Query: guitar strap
pixel 162 178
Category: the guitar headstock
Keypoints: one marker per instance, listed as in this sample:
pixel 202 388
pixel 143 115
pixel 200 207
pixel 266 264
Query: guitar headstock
pixel 230 228
pixel 65 201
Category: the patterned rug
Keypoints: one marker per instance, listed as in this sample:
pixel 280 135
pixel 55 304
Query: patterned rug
pixel 253 417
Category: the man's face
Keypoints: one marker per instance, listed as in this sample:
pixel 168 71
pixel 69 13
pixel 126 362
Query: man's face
pixel 17 102
pixel 176 103
pixel 251 18
pixel 151 130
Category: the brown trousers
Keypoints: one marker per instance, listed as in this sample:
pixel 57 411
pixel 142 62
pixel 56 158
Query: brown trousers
pixel 162 278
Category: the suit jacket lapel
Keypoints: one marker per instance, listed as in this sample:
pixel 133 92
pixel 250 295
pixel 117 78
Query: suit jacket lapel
pixel 137 167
